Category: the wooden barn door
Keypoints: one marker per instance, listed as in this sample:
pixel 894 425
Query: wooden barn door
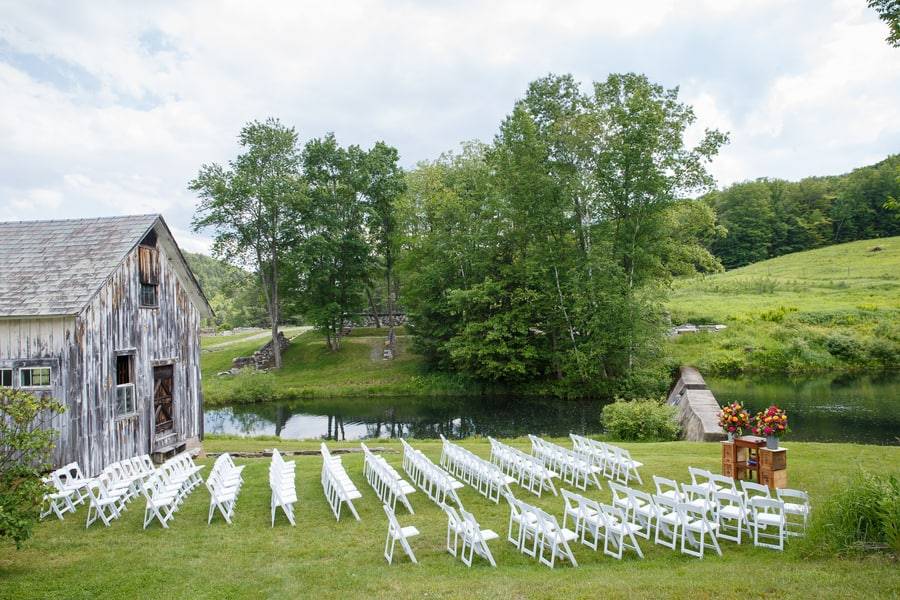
pixel 163 411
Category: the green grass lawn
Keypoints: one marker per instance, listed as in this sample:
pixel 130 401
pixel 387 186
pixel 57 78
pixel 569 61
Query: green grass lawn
pixel 323 558
pixel 835 308
pixel 311 370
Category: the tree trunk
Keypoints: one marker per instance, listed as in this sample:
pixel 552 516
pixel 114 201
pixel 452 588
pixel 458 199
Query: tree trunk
pixel 276 347
pixel 373 307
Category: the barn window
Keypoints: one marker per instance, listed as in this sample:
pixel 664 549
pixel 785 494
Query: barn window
pixel 148 295
pixel 33 377
pixel 5 377
pixel 125 403
pixel 148 271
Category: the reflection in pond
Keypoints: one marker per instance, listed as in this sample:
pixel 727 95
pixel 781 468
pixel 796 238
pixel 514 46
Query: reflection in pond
pixel 356 419
pixel 826 409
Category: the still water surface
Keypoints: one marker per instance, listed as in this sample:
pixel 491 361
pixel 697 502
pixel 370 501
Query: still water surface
pixel 850 409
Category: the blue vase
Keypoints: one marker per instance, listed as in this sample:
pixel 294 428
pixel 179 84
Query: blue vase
pixel 772 442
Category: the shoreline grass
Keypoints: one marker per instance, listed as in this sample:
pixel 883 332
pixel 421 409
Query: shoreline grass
pixel 325 559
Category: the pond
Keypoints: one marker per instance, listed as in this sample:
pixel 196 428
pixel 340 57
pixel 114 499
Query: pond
pixel 860 409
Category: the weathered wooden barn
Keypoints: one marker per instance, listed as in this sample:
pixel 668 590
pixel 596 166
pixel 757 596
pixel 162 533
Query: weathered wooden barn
pixel 104 315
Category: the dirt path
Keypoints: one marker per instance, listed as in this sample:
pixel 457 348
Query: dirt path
pixel 289 332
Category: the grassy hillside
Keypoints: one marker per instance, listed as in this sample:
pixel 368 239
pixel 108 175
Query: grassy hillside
pixel 831 308
pixel 310 370
pixel 323 558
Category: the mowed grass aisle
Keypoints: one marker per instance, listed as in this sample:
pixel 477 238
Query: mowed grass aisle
pixel 322 558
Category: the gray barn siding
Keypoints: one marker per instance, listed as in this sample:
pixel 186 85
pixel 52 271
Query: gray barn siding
pixel 43 341
pixel 113 321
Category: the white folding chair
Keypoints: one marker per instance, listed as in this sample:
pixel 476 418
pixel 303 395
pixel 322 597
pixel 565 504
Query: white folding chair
pixel 475 540
pixel 57 501
pixel 696 527
pixel 619 531
pixel 668 521
pixel 767 514
pixel 796 503
pixel 283 487
pixel 398 534
pixel 161 502
pixel 104 505
pixel 732 516
pixel 554 539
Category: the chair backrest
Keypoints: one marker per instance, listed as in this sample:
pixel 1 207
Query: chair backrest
pixel 572 500
pixel 695 492
pixel 794 496
pixel 665 503
pixel 662 484
pixel 612 515
pixel 392 519
pixel 690 513
pixel 699 476
pixel 724 498
pixel 751 490
pixel 723 481
pixel 619 491
pixel 769 506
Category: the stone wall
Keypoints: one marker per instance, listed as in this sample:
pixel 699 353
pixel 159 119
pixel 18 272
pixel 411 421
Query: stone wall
pixel 262 359
pixel 698 409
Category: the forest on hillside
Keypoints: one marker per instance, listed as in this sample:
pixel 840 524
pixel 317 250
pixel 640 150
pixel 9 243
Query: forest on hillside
pixel 767 217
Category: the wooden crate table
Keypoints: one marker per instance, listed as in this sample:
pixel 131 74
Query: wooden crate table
pixel 748 455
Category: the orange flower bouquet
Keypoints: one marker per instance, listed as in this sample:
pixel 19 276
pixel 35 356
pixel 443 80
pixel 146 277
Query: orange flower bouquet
pixel 733 419
pixel 772 423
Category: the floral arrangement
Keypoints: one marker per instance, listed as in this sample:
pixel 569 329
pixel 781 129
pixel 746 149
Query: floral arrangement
pixel 772 421
pixel 734 419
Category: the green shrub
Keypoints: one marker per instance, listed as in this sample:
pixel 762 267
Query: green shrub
pixel 727 364
pixel 864 516
pixel 843 347
pixel 776 315
pixel 641 420
pixel 883 351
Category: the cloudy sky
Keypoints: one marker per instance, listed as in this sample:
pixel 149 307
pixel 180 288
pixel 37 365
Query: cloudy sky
pixel 111 107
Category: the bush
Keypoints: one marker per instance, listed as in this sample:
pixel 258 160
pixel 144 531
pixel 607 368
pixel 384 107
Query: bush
pixel 25 444
pixel 843 347
pixel 864 516
pixel 641 420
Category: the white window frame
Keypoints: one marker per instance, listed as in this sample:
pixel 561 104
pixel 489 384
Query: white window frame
pixel 124 388
pixel 12 379
pixel 32 386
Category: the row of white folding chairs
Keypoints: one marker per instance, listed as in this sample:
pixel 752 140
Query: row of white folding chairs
pixel 796 502
pixel 615 462
pixel 430 478
pixel 337 485
pixel 538 533
pixel 166 488
pixel 385 480
pixel 224 484
pixel 282 483
pixel 529 471
pixel 575 467
pixel 481 474
pixel 694 513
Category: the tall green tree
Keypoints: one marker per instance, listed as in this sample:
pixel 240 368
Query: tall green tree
pixel 545 254
pixel 254 206
pixel 332 260
pixel 383 184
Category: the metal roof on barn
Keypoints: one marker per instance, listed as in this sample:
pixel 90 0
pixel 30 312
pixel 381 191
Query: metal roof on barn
pixel 56 267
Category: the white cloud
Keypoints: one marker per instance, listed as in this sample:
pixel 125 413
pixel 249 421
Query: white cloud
pixel 112 108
